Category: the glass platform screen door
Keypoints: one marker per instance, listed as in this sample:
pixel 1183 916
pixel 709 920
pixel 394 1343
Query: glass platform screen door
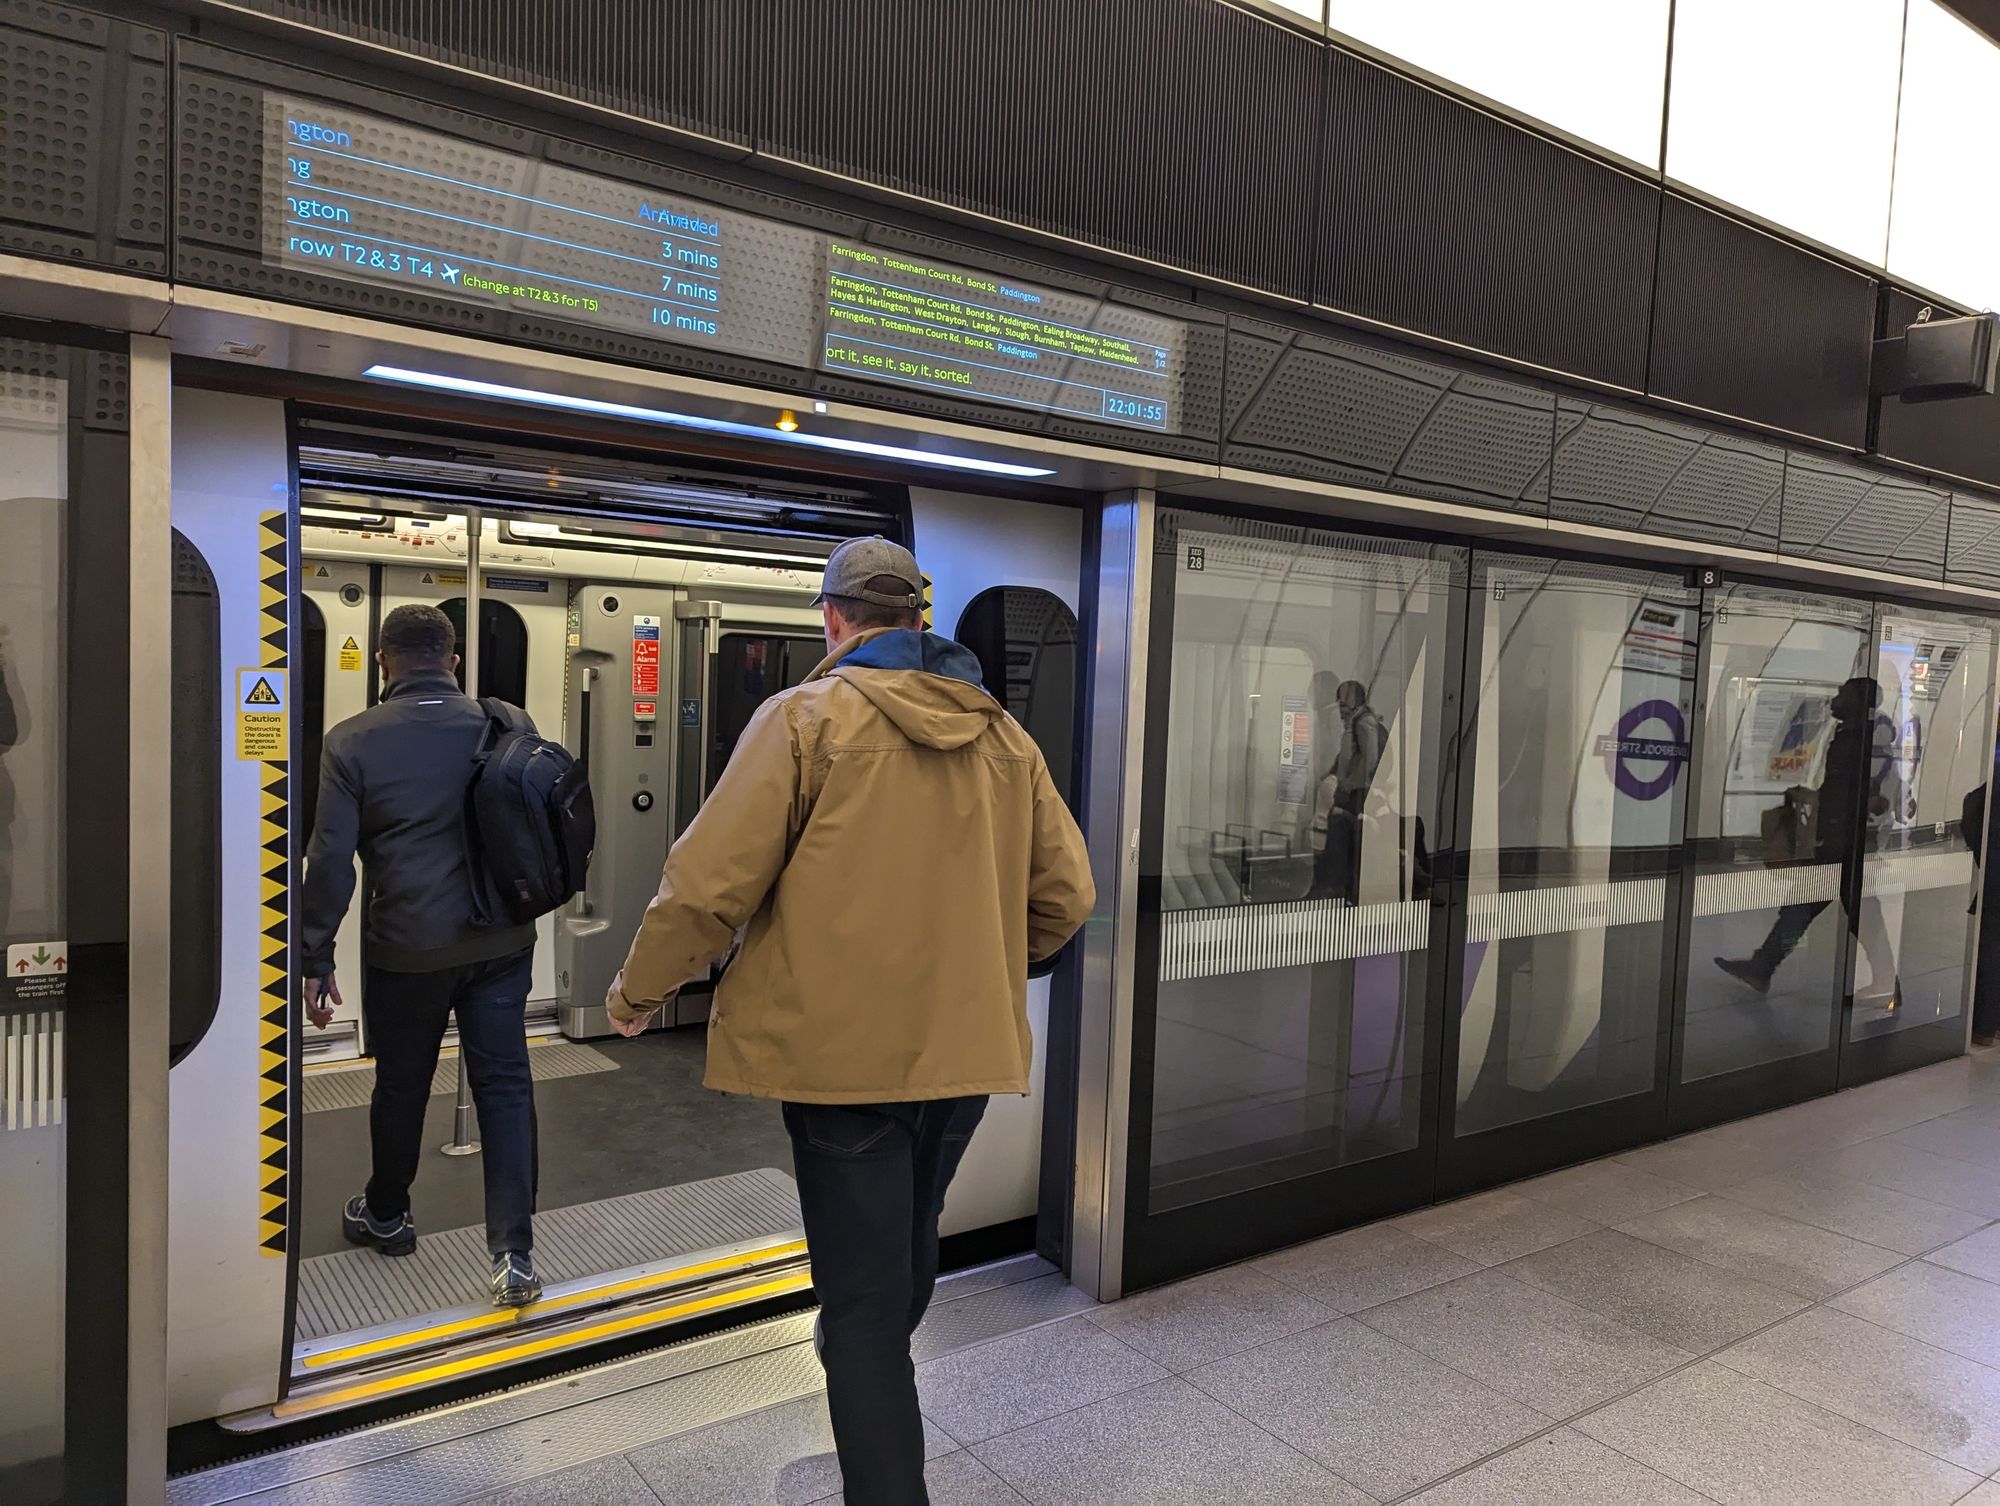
pixel 1299 704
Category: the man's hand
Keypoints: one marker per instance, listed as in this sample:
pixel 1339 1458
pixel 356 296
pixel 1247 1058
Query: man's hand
pixel 627 1018
pixel 318 992
pixel 635 1026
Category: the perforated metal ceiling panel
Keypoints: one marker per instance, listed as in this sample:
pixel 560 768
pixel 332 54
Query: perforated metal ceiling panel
pixel 1748 325
pixel 1974 558
pixel 1620 468
pixel 1850 516
pixel 1180 132
pixel 83 147
pixel 1439 218
pixel 1341 411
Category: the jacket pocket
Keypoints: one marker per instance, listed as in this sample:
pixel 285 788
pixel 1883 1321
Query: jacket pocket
pixel 836 1128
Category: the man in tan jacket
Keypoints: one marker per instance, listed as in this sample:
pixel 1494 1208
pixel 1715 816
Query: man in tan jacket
pixel 891 845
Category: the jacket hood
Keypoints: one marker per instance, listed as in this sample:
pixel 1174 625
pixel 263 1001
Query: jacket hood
pixel 927 685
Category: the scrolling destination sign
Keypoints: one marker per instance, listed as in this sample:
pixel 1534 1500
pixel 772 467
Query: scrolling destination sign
pixel 367 199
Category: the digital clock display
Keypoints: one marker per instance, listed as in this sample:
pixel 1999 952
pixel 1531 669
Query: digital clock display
pixel 367 199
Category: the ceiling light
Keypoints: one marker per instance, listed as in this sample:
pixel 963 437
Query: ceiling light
pixel 470 387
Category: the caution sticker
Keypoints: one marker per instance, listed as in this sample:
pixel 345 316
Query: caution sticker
pixel 260 714
pixel 444 577
pixel 350 654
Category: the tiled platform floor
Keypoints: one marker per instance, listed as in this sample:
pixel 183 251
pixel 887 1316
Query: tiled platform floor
pixel 1803 1307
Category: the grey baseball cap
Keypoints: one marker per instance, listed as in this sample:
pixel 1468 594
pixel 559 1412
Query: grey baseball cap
pixel 855 563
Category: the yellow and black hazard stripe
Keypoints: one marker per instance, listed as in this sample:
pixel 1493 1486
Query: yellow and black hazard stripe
pixel 928 624
pixel 274 908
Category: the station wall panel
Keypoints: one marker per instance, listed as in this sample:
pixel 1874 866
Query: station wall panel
pixel 1753 327
pixel 84 152
pixel 685 64
pixel 1181 133
pixel 1440 218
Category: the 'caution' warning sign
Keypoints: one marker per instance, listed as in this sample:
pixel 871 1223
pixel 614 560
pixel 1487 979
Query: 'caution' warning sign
pixel 350 654
pixel 260 714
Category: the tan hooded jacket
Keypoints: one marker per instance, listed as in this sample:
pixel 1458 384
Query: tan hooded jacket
pixel 892 844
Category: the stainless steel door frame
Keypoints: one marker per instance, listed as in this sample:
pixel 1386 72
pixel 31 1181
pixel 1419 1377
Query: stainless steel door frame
pixel 1114 761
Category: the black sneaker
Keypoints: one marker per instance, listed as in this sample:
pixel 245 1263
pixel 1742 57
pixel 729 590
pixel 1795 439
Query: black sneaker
pixel 396 1236
pixel 1749 974
pixel 515 1283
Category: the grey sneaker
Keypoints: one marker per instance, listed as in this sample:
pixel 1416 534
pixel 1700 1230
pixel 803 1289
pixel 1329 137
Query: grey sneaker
pixel 515 1283
pixel 396 1236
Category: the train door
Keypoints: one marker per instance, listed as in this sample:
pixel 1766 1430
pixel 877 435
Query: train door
pixel 336 681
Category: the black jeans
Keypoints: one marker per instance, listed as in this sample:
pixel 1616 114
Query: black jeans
pixel 872 1180
pixel 406 1014
pixel 1793 921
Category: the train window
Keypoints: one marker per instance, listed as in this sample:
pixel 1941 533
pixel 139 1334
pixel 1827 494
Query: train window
pixel 194 739
pixel 503 648
pixel 312 708
pixel 750 668
pixel 1025 641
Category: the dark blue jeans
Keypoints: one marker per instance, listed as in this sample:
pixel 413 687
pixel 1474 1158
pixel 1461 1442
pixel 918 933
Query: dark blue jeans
pixel 872 1180
pixel 406 1014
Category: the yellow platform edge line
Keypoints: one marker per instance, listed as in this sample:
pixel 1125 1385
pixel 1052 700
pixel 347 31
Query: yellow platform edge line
pixel 502 1318
pixel 347 1396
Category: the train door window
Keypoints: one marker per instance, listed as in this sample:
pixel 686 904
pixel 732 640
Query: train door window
pixel 503 648
pixel 1025 641
pixel 312 706
pixel 750 668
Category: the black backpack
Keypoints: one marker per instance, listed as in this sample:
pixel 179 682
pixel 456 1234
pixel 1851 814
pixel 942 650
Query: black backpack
pixel 530 823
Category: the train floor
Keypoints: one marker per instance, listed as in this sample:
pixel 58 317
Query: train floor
pixel 1804 1306
pixel 638 1161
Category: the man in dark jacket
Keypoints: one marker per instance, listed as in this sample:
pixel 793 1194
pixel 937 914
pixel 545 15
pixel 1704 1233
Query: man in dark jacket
pixel 393 782
pixel 1976 822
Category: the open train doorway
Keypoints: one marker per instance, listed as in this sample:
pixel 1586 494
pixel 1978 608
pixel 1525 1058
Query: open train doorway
pixel 639 611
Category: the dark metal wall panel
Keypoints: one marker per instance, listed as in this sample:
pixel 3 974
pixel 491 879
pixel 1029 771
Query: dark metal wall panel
pixel 1960 437
pixel 1181 132
pixel 1850 516
pixel 83 137
pixel 686 64
pixel 1751 326
pixel 1337 410
pixel 1439 218
pixel 1974 557
pixel 221 181
pixel 1621 468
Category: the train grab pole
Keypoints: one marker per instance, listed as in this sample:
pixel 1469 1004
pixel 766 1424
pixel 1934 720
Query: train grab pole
pixel 462 1143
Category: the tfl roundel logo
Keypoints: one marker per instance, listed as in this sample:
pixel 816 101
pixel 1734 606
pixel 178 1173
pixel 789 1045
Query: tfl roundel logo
pixel 1644 756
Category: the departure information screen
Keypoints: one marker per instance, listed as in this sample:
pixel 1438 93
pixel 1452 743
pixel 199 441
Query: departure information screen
pixel 363 198
pixel 367 198
pixel 926 324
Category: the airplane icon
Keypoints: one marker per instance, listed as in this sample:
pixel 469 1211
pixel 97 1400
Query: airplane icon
pixel 450 273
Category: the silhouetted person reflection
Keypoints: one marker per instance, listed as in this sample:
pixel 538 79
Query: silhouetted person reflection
pixel 1976 822
pixel 1850 769
pixel 12 731
pixel 1343 789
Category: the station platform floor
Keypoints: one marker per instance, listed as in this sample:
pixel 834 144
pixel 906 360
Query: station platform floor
pixel 1800 1307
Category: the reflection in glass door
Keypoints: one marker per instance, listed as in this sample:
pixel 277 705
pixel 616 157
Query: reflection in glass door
pixel 1282 1040
pixel 1783 738
pixel 1579 687
pixel 1931 742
